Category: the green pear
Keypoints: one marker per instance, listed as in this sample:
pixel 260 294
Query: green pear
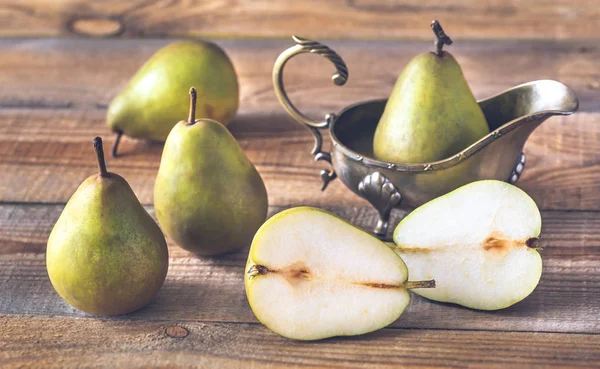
pixel 152 101
pixel 311 275
pixel 105 254
pixel 431 113
pixel 208 196
pixel 479 243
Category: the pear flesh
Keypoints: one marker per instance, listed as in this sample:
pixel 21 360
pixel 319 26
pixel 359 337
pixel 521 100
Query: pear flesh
pixel 209 198
pixel 311 275
pixel 430 115
pixel 478 243
pixel 152 101
pixel 105 254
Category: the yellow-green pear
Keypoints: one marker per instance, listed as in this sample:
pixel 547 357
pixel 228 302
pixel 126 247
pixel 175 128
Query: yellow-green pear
pixel 151 103
pixel 208 196
pixel 431 113
pixel 105 254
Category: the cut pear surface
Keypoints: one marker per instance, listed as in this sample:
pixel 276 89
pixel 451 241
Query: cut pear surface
pixel 311 275
pixel 478 243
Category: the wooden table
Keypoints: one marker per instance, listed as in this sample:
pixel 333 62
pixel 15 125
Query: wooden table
pixel 54 90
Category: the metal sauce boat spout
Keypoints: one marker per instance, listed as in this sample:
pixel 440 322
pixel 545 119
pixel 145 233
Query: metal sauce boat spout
pixel 511 115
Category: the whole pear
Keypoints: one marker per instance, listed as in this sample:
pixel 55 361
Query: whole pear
pixel 208 196
pixel 431 113
pixel 105 254
pixel 151 102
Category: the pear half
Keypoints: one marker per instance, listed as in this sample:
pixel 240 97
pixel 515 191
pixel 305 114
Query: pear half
pixel 311 275
pixel 478 243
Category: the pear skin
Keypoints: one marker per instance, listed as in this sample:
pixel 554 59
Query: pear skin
pixel 430 115
pixel 152 101
pixel 105 254
pixel 208 196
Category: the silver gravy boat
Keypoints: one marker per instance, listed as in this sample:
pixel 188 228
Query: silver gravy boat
pixel 511 115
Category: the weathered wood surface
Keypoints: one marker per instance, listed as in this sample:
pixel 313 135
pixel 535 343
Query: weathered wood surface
pixel 211 289
pixel 59 342
pixel 84 74
pixel 54 155
pixel 356 19
pixel 53 98
pixel 59 91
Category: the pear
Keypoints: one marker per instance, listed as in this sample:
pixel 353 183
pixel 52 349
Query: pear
pixel 478 242
pixel 152 102
pixel 431 113
pixel 208 196
pixel 105 254
pixel 311 275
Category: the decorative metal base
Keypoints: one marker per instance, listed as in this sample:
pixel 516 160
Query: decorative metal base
pixel 383 195
pixel 516 173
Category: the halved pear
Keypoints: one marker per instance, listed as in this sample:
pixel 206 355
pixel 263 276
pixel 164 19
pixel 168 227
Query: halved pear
pixel 478 243
pixel 311 275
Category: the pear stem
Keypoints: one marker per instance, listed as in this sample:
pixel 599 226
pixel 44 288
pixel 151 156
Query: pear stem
pixel 532 242
pixel 441 38
pixel 116 144
pixel 192 116
pixel 420 284
pixel 100 157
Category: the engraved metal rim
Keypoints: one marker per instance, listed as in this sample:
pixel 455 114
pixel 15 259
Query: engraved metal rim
pixel 456 158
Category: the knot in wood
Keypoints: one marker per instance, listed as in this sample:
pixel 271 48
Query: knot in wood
pixel 177 332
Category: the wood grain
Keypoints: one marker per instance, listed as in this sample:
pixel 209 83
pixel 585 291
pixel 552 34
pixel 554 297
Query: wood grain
pixel 68 342
pixel 211 289
pixel 44 160
pixel 53 98
pixel 58 74
pixel 54 95
pixel 356 19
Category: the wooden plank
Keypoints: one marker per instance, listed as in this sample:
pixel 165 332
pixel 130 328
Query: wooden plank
pixel 211 289
pixel 68 343
pixel 82 74
pixel 357 19
pixel 45 160
pixel 52 105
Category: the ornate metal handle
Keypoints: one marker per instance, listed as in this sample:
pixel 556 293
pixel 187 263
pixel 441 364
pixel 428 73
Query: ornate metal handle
pixel 339 78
